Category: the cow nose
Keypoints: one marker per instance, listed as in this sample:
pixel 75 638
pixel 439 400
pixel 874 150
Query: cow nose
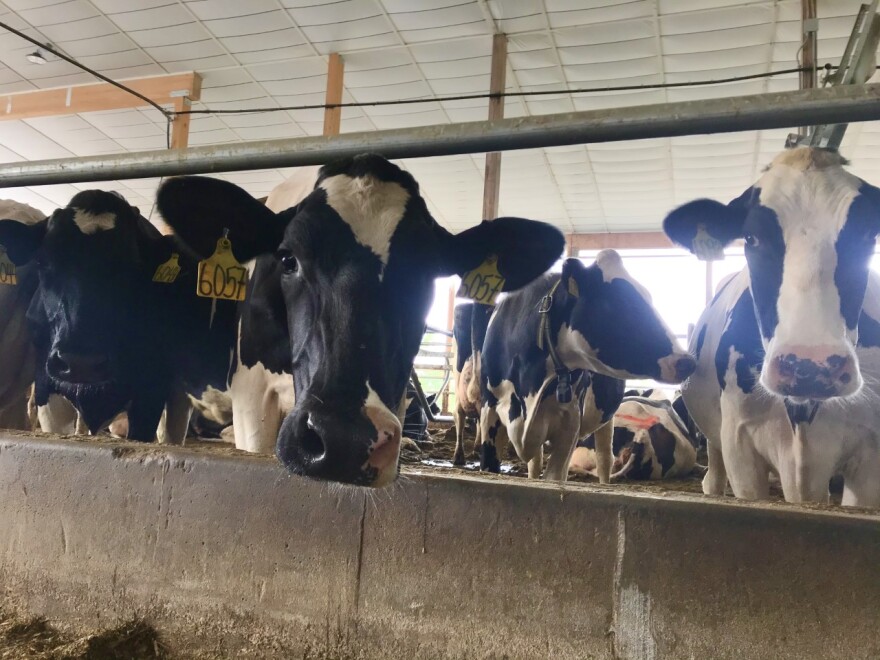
pixel 676 367
pixel 356 448
pixel 812 373
pixel 78 367
pixel 684 367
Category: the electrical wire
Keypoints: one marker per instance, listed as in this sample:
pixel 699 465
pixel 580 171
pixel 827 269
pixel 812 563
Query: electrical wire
pixel 169 115
pixel 497 95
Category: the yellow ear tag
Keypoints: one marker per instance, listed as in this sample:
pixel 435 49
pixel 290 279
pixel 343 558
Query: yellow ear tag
pixel 484 283
pixel 573 287
pixel 168 272
pixel 221 276
pixel 7 269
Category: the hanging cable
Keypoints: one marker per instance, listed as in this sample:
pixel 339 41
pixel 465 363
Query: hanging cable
pixel 467 97
pixel 169 115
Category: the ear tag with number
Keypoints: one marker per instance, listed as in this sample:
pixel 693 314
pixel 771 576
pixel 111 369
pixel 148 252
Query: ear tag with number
pixel 7 269
pixel 221 276
pixel 484 283
pixel 707 248
pixel 168 272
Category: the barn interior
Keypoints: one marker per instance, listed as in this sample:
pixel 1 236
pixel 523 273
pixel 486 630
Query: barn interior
pixel 594 116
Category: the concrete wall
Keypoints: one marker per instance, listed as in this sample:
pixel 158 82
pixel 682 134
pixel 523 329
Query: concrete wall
pixel 228 554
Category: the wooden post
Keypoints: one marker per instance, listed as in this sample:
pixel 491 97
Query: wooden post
pixel 333 116
pixel 496 111
pixel 180 125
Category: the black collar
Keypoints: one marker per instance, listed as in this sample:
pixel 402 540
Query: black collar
pixel 563 374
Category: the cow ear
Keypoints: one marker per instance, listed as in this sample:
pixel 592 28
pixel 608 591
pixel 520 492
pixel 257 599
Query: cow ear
pixel 525 249
pixel 704 225
pixel 572 277
pixel 200 209
pixel 20 240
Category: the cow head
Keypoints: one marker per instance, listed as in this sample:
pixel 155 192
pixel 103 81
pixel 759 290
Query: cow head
pixel 809 229
pixel 95 259
pixel 358 258
pixel 612 327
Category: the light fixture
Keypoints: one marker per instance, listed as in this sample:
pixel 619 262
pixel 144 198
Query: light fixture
pixel 36 57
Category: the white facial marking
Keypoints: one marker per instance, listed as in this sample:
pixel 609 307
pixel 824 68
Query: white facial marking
pixel 372 208
pixel 91 223
pixel 811 195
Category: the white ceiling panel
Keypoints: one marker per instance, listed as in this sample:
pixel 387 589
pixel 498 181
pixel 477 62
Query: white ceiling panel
pixel 270 53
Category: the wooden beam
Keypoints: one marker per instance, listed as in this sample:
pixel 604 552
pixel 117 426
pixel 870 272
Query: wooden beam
pixel 180 125
pixel 99 96
pixel 333 116
pixel 646 240
pixel 497 84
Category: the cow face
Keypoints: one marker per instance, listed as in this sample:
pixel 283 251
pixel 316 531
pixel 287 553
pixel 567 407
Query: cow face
pixel 357 259
pixel 612 327
pixel 95 259
pixel 809 228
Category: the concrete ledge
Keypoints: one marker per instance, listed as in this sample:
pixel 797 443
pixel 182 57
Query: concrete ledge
pixel 227 554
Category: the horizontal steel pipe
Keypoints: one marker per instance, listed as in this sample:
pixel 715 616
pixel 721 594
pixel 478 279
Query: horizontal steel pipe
pixel 844 104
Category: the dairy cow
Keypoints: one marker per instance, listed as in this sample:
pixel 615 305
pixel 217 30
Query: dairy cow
pixel 107 337
pixel 469 329
pixel 357 259
pixel 554 361
pixel 788 352
pixel 16 349
pixel 650 441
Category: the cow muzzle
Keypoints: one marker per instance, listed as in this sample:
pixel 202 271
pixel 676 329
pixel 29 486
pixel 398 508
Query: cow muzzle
pixel 813 373
pixel 360 449
pixel 79 368
pixel 676 367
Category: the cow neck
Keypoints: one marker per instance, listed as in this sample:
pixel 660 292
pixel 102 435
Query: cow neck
pixel 563 373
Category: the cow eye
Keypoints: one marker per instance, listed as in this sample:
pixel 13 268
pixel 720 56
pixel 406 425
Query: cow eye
pixel 289 263
pixel 751 241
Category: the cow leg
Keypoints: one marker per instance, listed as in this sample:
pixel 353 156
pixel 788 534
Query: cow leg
pixel 478 437
pixel 57 416
pixel 256 410
pixel 747 471
pixel 175 421
pixel 536 464
pixel 603 437
pixel 861 486
pixel 494 439
pixel 458 456
pixel 562 446
pixel 143 418
pixel 715 481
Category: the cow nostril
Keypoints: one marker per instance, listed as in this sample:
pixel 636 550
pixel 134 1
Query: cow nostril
pixel 311 444
pixel 56 366
pixel 685 367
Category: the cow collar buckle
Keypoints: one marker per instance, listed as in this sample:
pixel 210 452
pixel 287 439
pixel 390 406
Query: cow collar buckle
pixel 546 303
pixel 563 374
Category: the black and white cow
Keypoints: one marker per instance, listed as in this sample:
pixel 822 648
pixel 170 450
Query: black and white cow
pixel 108 338
pixel 260 382
pixel 469 329
pixel 16 348
pixel 357 259
pixel 649 442
pixel 602 328
pixel 788 352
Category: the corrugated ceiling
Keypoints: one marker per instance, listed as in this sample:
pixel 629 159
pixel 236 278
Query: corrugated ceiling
pixel 265 53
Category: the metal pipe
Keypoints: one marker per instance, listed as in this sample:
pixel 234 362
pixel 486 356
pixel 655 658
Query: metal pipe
pixel 829 105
